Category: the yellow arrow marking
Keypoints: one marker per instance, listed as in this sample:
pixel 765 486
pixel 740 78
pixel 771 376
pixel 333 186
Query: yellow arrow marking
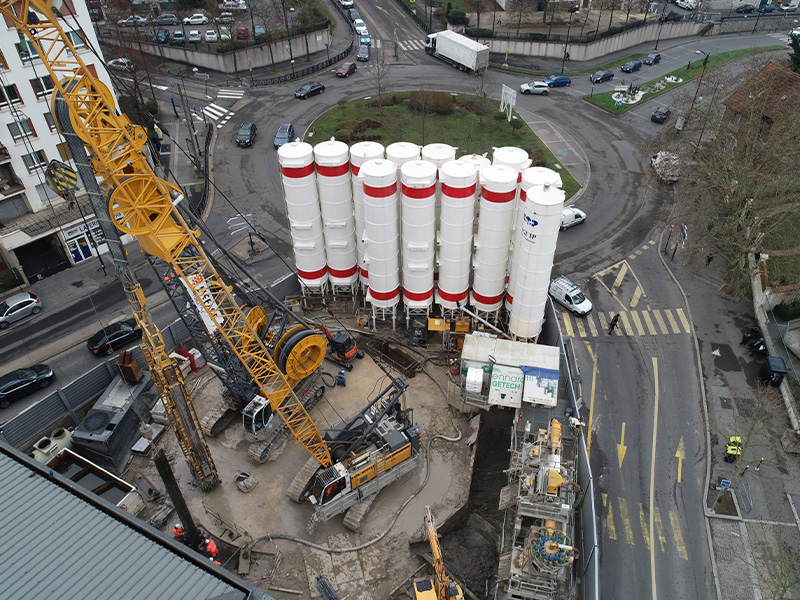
pixel 621 447
pixel 681 454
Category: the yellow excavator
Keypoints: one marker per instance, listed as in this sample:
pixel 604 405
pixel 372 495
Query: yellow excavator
pixel 384 443
pixel 440 586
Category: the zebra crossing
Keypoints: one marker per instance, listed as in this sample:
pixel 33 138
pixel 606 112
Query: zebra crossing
pixel 224 94
pixel 781 36
pixel 216 113
pixel 620 525
pixel 405 45
pixel 641 323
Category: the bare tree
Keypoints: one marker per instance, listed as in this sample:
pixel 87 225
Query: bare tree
pixel 519 8
pixel 379 74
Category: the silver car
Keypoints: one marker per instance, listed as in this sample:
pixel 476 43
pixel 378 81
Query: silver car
pixel 535 87
pixel 18 307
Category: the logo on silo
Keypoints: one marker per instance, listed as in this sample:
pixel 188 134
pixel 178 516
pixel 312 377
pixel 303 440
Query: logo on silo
pixel 528 225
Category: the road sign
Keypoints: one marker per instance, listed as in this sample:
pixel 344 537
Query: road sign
pixel 672 226
pixel 60 177
pixel 725 484
pixel 203 76
pixel 619 102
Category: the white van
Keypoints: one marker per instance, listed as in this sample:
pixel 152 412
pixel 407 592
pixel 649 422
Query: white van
pixel 568 294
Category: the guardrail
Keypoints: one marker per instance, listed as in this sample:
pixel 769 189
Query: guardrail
pixel 299 74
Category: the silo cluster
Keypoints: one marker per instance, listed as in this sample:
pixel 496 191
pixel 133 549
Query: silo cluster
pixel 418 225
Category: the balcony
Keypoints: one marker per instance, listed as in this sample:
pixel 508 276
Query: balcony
pixel 4 155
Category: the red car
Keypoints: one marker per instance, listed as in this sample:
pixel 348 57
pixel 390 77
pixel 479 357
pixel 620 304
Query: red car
pixel 242 33
pixel 346 69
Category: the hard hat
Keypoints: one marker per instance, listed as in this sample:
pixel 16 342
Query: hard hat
pixel 208 540
pixel 178 525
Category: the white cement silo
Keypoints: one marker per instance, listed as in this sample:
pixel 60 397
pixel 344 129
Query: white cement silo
pixel 302 207
pixel 438 153
pixel 381 235
pixel 454 239
pixel 540 219
pixel 360 153
pixel 530 177
pixel 492 242
pixel 402 152
pixel 418 195
pixel 476 160
pixel 336 204
pixel 511 156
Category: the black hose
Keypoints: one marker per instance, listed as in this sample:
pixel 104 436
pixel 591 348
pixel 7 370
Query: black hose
pixel 333 379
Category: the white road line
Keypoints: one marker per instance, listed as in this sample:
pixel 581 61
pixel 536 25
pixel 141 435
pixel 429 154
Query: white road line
pixel 230 94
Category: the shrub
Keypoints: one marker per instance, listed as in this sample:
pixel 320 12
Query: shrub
pixel 516 124
pixel 538 159
pixel 439 102
pixel 343 136
pixel 152 107
pixel 457 17
pixel 788 311
pixel 362 127
pixel 500 116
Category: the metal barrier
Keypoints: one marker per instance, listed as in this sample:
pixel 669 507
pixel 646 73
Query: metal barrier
pixel 308 70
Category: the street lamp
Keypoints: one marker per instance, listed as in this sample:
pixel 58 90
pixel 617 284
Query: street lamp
pixel 661 23
pixel 566 44
pixel 328 50
pixel 699 83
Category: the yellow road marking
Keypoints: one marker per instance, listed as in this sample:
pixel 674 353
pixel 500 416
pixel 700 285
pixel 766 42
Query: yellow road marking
pixel 675 522
pixel 638 253
pixel 626 326
pixel 620 276
pixel 579 326
pixel 626 522
pixel 660 529
pixel 604 319
pixel 684 320
pixel 592 326
pixel 637 295
pixel 643 520
pixel 651 242
pixel 681 454
pixel 591 401
pixel 672 322
pixel 653 476
pixel 650 327
pixel 661 324
pixel 632 256
pixel 612 530
pixel 637 323
pixel 621 447
pixel 568 323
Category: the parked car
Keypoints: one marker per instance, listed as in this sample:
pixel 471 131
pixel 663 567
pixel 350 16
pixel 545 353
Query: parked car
pixel 660 114
pixel 233 5
pixel 284 135
pixel 794 33
pixel 242 33
pixel 631 66
pixel 309 89
pixel 601 76
pixel 246 134
pixel 360 26
pixel 568 294
pixel 745 8
pixel 161 36
pixel 571 217
pixel 114 336
pixel 166 19
pixel 788 7
pixel 196 19
pixel 535 87
pixel 346 3
pixel 363 53
pixel 121 64
pixel 557 80
pixel 178 38
pixel 195 37
pixel 365 39
pixel 225 17
pixel 346 69
pixel 259 33
pixel 224 34
pixel 132 21
pixel 18 307
pixel 354 14
pixel 686 4
pixel 766 8
pixel 21 382
pixel 211 36
pixel 652 59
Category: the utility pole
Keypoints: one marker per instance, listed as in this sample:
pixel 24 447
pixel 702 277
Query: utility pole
pixel 190 124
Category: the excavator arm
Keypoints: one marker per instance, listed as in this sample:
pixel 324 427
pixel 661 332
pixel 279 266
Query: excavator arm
pixel 144 205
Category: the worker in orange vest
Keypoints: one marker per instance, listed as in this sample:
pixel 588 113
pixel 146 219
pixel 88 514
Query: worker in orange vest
pixel 178 531
pixel 211 547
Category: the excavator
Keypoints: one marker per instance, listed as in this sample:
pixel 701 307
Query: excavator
pixel 440 586
pixel 275 357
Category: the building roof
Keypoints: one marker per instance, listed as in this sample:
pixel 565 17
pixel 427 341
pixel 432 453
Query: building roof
pixel 777 89
pixel 61 542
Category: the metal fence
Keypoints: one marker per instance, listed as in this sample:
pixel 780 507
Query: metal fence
pixel 299 74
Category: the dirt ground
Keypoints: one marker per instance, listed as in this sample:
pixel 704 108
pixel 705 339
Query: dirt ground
pixel 381 559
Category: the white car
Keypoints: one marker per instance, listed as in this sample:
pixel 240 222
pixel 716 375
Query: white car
pixel 535 87
pixel 361 27
pixel 121 64
pixel 346 3
pixel 794 33
pixel 686 4
pixel 211 36
pixel 225 17
pixel 233 5
pixel 570 296
pixel 132 21
pixel 196 19
pixel 571 217
pixel 195 37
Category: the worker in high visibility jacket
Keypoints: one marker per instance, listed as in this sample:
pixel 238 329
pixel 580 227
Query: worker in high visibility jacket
pixel 178 532
pixel 211 547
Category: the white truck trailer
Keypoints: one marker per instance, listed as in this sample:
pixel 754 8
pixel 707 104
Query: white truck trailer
pixel 458 50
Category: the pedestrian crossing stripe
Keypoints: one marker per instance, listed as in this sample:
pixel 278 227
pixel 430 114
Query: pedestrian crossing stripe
pixel 632 323
pixel 663 530
pixel 230 94
pixel 407 45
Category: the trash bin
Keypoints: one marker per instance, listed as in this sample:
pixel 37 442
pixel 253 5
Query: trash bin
pixel 773 371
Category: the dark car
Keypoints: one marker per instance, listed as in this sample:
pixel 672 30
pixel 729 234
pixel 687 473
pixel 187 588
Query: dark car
pixel 631 66
pixel 346 69
pixel 745 8
pixel 557 80
pixel 652 58
pixel 660 115
pixel 309 89
pixel 766 8
pixel 22 382
pixel 363 53
pixel 600 76
pixel 178 38
pixel 284 134
pixel 246 134
pixel 166 19
pixel 114 336
pixel 354 14
pixel 161 36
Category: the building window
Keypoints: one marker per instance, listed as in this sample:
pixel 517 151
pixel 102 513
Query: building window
pixel 42 86
pixel 9 95
pixel 26 51
pixel 35 160
pixel 21 129
pixel 63 152
pixel 50 121
pixel 76 38
pixel 3 62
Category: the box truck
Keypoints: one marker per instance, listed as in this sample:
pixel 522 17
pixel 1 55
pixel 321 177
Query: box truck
pixel 458 50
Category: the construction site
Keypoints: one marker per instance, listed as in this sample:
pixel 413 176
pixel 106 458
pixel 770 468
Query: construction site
pixel 404 426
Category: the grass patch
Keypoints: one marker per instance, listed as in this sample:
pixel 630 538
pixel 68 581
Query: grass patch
pixel 471 126
pixel 783 268
pixel 692 70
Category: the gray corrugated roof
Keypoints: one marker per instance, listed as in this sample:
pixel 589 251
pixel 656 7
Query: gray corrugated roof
pixel 55 544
